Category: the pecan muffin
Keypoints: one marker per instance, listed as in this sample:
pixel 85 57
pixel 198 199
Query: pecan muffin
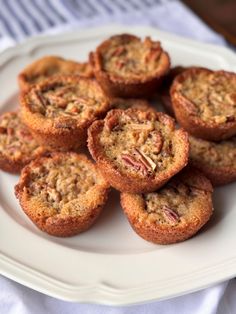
pixel 63 194
pixel 126 103
pixel 17 146
pixel 126 66
pixel 59 110
pixel 204 103
pixel 49 66
pixel 137 151
pixel 217 160
pixel 175 212
pixel 165 88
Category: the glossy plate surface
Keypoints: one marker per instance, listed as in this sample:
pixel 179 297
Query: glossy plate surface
pixel 110 264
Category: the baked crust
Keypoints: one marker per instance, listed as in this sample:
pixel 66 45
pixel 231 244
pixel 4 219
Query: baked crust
pixel 127 67
pixel 49 66
pixel 17 146
pixel 204 103
pixel 62 194
pixel 137 151
pixel 174 213
pixel 217 160
pixel 59 110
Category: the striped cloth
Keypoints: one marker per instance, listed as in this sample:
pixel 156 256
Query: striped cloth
pixel 22 18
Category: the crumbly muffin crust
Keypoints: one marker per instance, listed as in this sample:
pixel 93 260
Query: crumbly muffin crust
pixel 217 160
pixel 49 66
pixel 137 151
pixel 125 66
pixel 204 102
pixel 63 194
pixel 59 110
pixel 175 212
pixel 17 146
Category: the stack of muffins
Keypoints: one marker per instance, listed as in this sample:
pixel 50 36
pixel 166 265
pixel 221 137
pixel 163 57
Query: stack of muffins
pixel 104 105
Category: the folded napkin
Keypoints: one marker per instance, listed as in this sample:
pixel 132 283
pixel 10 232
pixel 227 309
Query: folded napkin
pixel 23 18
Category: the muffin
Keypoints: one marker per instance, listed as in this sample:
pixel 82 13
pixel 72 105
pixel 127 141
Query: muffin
pixel 204 103
pixel 17 146
pixel 217 160
pixel 174 213
pixel 59 110
pixel 126 66
pixel 137 151
pixel 49 66
pixel 63 194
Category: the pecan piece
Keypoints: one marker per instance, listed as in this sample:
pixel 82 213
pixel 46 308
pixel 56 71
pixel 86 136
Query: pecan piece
pixel 153 55
pixel 118 51
pixel 139 161
pixel 39 97
pixel 57 100
pixel 158 141
pixel 136 164
pixel 25 134
pixel 10 131
pixel 112 122
pixel 120 64
pixel 149 163
pixel 3 130
pixel 170 214
pixel 230 119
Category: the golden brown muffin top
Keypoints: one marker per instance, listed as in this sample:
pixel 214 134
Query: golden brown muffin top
pixel 139 142
pixel 60 180
pixel 16 142
pixel 216 154
pixel 67 96
pixel 128 56
pixel 181 200
pixel 212 93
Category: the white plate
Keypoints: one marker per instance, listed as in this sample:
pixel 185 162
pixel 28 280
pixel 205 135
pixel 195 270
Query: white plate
pixel 110 264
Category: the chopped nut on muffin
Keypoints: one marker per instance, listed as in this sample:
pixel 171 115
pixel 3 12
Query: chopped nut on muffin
pixel 58 111
pixel 126 66
pixel 217 160
pixel 204 103
pixel 17 146
pixel 175 212
pixel 62 194
pixel 137 151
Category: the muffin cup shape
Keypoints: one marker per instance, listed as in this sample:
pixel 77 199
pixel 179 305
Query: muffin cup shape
pixel 127 67
pixel 204 103
pixel 17 146
pixel 174 213
pixel 49 66
pixel 217 160
pixel 137 151
pixel 59 110
pixel 63 194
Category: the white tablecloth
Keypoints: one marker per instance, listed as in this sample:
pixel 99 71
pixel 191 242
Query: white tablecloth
pixel 22 18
